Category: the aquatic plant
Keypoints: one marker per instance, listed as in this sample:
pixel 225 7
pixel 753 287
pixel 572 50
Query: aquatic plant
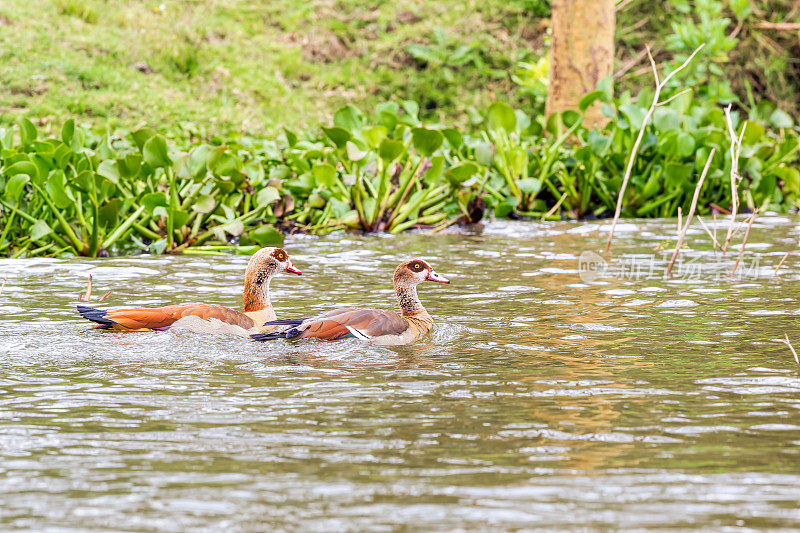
pixel 93 194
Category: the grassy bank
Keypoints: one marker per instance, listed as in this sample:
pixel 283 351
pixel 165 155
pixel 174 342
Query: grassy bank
pixel 220 68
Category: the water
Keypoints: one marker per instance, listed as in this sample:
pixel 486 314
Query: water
pixel 541 400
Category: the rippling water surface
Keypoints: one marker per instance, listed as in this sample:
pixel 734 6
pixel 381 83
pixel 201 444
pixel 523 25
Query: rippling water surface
pixel 543 399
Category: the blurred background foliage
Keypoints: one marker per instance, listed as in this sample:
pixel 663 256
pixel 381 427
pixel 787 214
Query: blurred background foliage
pixel 206 68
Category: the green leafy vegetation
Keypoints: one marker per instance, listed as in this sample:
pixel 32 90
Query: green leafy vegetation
pixel 91 195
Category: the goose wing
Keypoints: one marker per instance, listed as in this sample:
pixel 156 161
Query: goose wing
pixel 161 318
pixel 360 323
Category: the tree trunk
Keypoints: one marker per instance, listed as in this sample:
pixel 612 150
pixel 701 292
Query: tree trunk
pixel 581 54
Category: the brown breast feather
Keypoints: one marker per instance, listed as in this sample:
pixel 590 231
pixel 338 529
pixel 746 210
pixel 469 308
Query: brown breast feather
pixel 163 317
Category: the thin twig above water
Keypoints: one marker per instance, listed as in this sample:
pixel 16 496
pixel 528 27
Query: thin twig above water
pixel 794 353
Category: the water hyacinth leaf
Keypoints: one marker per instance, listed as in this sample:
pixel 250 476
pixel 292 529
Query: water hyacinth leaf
pixel 55 187
pixel 291 137
pixel 752 134
pixel 205 203
pixel 39 230
pixel 781 119
pixel 339 208
pixel 141 136
pixel 412 112
pixel 634 114
pixel 338 135
pixel 109 213
pixel 501 117
pixel 434 173
pixel 221 162
pixel 130 165
pixel 154 200
pixel 505 207
pixel 685 144
pixel 235 227
pixel 68 130
pixel 454 138
pixel 315 201
pixel 44 148
pixel 390 150
pixel 109 170
pixel 484 153
pixel 180 218
pixel 279 172
pixel 677 175
pixel 354 153
pixel 266 236
pixel 27 131
pixel 155 152
pixel 461 173
pixel 665 119
pixel 325 175
pixel 267 196
pixel 196 164
pixel 589 98
pixel 22 167
pixel 529 185
pixel 348 117
pixel 374 135
pixel 83 181
pixel 15 186
pixel 426 141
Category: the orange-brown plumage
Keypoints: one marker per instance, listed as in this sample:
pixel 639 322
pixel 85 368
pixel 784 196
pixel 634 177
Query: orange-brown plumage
pixel 377 325
pixel 257 306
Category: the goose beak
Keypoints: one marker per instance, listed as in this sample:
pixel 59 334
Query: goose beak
pixel 438 278
pixel 291 269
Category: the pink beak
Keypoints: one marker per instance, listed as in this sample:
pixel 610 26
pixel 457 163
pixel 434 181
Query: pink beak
pixel 291 269
pixel 438 278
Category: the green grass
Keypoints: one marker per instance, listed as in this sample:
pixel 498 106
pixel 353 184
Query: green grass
pixel 221 66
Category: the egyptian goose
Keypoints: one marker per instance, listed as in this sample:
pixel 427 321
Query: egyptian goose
pixel 207 318
pixel 378 326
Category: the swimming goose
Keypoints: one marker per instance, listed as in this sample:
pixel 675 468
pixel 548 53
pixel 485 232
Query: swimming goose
pixel 207 318
pixel 378 326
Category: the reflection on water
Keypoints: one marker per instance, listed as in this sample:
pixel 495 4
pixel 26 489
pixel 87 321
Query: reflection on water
pixel 540 400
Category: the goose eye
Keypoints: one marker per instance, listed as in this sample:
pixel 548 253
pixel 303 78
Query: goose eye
pixel 416 266
pixel 280 256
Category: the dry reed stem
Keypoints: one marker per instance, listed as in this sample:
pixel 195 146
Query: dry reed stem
pixel 781 263
pixel 789 344
pixel 555 207
pixel 659 86
pixel 714 215
pixel 88 295
pixel 3 286
pixel 735 149
pixel 685 228
pixel 707 230
pixel 744 242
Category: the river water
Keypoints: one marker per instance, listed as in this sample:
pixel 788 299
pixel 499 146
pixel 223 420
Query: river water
pixel 556 391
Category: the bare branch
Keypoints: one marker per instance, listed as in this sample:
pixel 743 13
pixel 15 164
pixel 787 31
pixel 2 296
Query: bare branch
pixel 713 237
pixel 691 212
pixel 744 242
pixel 789 344
pixel 781 263
pixel 659 86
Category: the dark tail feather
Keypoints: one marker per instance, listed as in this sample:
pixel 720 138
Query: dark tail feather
pixel 95 315
pixel 290 333
pixel 286 322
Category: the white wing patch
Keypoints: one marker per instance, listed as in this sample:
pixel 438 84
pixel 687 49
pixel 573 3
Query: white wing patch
pixel 358 334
